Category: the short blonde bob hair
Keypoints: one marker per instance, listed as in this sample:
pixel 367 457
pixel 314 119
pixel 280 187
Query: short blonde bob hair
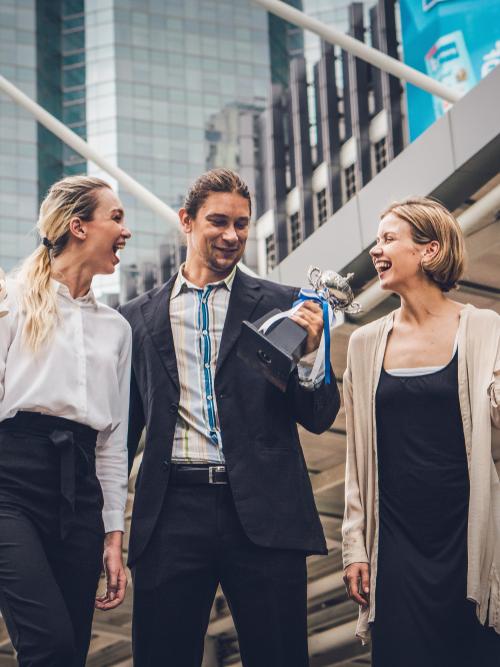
pixel 431 221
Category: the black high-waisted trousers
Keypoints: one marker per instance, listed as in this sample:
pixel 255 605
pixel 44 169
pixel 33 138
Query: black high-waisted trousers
pixel 51 538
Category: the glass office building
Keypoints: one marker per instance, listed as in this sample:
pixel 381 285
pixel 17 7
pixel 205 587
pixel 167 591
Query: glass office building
pixel 42 51
pixel 168 83
pixel 18 133
pixel 333 13
pixel 163 88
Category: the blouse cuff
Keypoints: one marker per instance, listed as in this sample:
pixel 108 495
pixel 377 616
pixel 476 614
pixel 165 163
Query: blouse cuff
pixel 354 554
pixel 113 520
pixel 305 368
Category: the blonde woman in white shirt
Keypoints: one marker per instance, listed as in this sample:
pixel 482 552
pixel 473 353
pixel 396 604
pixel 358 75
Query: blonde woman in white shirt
pixel 64 386
pixel 421 533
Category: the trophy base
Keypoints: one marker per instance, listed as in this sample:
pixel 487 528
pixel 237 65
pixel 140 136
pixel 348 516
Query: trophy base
pixel 274 354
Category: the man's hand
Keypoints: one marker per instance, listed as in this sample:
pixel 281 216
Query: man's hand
pixel 116 577
pixel 310 316
pixel 357 582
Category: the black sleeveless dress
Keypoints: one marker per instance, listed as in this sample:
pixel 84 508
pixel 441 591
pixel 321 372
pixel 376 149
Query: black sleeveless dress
pixel 422 617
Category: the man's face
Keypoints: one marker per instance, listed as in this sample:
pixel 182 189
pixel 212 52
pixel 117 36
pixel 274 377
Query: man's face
pixel 216 237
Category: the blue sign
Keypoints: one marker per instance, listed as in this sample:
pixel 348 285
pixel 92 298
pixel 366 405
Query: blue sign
pixel 456 42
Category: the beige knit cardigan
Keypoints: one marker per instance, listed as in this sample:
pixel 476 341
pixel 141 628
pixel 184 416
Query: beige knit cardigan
pixel 479 394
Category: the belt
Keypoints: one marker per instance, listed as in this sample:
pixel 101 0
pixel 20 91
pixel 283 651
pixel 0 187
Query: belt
pixel 64 442
pixel 181 474
pixel 61 433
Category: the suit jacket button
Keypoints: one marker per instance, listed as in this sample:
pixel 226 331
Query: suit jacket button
pixel 173 408
pixel 166 464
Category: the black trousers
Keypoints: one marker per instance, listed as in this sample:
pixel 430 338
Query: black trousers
pixel 198 543
pixel 50 548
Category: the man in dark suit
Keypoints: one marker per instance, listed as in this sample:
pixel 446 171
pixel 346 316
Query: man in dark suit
pixel 222 495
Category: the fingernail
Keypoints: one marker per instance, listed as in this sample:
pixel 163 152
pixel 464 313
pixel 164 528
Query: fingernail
pixel 367 590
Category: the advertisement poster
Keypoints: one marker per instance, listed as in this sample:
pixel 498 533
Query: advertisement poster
pixel 456 42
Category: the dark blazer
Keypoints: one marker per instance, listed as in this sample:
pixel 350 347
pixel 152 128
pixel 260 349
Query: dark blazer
pixel 267 472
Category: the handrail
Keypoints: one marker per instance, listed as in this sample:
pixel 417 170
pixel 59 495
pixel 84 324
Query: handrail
pixel 83 148
pixel 360 49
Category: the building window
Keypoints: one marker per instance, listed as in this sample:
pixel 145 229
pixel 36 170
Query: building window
pixel 73 81
pixel 295 231
pixel 380 154
pixel 322 210
pixel 270 253
pixel 350 181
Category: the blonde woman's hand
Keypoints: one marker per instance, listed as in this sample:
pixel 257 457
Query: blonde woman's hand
pixel 116 576
pixel 357 583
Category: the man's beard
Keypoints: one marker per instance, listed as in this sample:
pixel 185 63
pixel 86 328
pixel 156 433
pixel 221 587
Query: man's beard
pixel 215 266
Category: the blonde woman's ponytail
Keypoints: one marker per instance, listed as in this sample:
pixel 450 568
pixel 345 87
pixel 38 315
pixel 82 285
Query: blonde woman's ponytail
pixel 38 299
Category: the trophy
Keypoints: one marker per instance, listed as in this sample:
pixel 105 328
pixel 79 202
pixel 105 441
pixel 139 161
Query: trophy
pixel 274 343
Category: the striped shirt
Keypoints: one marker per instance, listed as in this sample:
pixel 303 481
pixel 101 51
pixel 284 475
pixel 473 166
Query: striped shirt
pixel 197 317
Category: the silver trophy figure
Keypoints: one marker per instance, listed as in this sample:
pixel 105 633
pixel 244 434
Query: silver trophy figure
pixel 334 288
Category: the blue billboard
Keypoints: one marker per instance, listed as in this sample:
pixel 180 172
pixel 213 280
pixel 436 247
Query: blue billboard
pixel 456 42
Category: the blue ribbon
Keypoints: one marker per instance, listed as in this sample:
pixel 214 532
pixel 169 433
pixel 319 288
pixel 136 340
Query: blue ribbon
pixel 311 295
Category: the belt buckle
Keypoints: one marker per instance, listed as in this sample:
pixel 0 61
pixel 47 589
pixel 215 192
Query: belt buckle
pixel 212 470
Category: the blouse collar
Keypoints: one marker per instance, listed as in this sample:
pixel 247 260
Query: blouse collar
pixel 87 299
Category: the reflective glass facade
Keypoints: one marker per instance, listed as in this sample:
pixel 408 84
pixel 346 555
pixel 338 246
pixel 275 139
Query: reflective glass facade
pixel 165 89
pixel 48 40
pixel 18 133
pixel 333 13
pixel 170 88
pixel 285 41
pixel 72 27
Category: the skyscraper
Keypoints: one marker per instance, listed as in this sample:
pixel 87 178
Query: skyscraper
pixel 163 88
pixel 18 132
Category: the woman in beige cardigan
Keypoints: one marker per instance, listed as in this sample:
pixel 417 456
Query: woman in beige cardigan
pixel 421 532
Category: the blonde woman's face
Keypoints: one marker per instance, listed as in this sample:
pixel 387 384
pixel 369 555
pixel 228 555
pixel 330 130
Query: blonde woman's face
pixel 396 257
pixel 106 234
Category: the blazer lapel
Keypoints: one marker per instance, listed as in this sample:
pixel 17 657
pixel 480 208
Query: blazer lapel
pixel 245 295
pixel 156 313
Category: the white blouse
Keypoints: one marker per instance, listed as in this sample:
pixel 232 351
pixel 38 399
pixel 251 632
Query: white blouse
pixel 82 373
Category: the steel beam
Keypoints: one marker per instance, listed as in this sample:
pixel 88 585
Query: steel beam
pixel 83 148
pixel 359 49
pixel 71 139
